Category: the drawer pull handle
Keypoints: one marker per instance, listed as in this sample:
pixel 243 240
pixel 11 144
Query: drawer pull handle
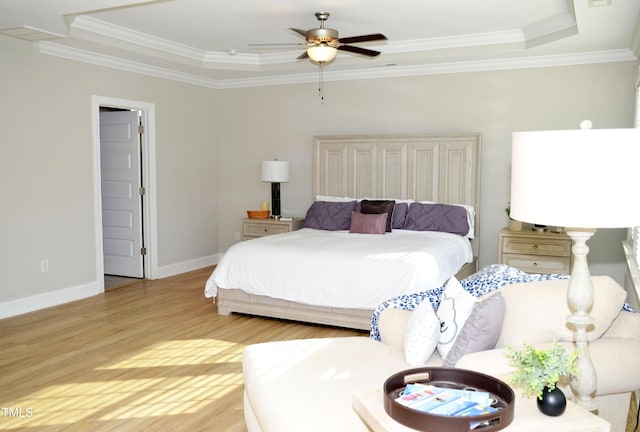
pixel 266 230
pixel 535 246
pixel 535 264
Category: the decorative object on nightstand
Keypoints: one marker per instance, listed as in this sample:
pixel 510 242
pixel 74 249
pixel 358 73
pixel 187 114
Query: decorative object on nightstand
pixel 254 228
pixel 258 214
pixel 275 171
pixel 594 167
pixel 539 228
pixel 514 225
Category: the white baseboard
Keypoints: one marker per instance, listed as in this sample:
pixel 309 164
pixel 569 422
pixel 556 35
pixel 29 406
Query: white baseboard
pixel 41 301
pixel 187 266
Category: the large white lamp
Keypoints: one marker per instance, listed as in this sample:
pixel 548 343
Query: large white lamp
pixel 275 171
pixel 580 180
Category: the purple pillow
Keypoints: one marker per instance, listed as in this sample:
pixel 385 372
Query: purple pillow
pixel 437 217
pixel 329 215
pixel 399 215
pixel 378 207
pixel 364 223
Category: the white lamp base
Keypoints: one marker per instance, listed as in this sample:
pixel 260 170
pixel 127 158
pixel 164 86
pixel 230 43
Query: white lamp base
pixel 580 299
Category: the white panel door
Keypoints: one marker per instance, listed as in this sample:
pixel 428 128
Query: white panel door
pixel 121 198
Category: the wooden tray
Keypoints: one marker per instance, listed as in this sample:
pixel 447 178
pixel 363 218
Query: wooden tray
pixel 449 378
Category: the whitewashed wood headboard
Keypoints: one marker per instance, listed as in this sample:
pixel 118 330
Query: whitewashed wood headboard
pixel 440 168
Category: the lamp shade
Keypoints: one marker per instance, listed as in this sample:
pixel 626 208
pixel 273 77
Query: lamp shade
pixel 581 178
pixel 275 171
pixel 322 53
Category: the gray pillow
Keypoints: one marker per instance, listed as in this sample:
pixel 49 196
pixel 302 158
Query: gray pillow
pixel 437 217
pixel 481 330
pixel 399 214
pixel 329 215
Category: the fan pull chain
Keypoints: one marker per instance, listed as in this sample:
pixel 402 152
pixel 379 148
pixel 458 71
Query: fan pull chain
pixel 321 83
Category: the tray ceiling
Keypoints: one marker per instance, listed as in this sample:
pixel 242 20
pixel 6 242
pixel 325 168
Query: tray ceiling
pixel 207 42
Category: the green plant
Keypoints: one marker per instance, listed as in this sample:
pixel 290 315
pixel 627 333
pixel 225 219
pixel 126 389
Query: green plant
pixel 537 369
pixel 508 210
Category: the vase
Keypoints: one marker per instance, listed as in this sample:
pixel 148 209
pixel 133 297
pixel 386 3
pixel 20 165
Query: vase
pixel 515 225
pixel 553 402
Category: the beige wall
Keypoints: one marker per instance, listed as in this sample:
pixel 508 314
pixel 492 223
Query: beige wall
pixel 46 171
pixel 209 144
pixel 280 121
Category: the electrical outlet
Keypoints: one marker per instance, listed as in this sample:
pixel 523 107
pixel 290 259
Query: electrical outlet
pixel 44 265
pixel 236 235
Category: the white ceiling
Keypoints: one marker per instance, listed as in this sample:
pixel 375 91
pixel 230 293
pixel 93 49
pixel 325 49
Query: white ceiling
pixel 207 42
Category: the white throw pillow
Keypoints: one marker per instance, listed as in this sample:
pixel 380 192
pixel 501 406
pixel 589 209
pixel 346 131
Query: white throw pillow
pixel 456 305
pixel 421 334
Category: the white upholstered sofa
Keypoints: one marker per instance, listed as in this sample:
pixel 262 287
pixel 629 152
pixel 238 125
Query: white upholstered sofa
pixel 308 384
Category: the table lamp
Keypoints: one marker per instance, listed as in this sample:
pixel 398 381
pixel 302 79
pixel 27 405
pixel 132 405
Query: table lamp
pixel 275 171
pixel 580 180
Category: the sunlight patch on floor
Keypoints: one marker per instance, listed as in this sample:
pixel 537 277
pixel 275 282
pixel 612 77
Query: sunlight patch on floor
pixel 182 352
pixel 175 396
pixel 176 390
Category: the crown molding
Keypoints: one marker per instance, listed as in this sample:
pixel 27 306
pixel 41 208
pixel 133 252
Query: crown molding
pixel 70 53
pixel 551 29
pixel 103 29
pixel 442 68
pixel 460 41
pixel 87 27
pixel 526 62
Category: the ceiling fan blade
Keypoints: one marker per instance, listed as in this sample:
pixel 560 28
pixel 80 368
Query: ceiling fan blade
pixel 358 50
pixel 275 44
pixel 363 38
pixel 304 55
pixel 300 32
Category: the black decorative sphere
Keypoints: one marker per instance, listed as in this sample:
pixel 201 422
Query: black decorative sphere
pixel 553 403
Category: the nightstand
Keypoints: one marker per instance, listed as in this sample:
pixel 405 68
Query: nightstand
pixel 535 252
pixel 253 228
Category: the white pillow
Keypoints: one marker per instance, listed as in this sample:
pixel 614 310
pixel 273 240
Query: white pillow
pixel 456 305
pixel 421 334
pixel 398 201
pixel 331 198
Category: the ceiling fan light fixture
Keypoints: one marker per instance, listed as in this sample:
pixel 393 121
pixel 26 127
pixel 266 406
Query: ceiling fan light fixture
pixel 322 53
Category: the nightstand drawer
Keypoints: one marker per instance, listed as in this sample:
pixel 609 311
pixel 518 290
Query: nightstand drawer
pixel 538 264
pixel 556 247
pixel 253 228
pixel 263 229
pixel 535 252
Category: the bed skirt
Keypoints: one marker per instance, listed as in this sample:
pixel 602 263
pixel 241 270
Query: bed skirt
pixel 236 300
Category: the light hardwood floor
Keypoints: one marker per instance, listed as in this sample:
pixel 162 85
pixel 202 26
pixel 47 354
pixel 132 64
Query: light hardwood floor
pixel 154 355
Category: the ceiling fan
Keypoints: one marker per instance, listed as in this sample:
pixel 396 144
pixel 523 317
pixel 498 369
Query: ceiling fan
pixel 323 43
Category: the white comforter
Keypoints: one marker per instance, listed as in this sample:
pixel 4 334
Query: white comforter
pixel 339 269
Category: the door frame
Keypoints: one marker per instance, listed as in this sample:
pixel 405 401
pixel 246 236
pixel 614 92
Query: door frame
pixel 148 158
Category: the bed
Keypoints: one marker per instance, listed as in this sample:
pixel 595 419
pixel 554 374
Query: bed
pixel 331 285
